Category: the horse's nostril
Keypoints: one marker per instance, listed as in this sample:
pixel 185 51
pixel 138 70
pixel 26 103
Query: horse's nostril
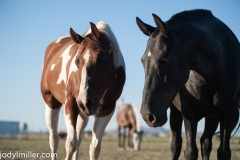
pixel 151 118
pixel 89 103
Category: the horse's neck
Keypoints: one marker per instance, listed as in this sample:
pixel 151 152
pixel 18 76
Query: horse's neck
pixel 200 47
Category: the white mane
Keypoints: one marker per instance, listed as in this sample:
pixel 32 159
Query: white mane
pixel 105 28
pixel 135 110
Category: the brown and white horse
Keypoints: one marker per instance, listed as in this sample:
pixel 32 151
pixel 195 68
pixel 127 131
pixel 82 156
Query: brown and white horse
pixel 86 74
pixel 128 117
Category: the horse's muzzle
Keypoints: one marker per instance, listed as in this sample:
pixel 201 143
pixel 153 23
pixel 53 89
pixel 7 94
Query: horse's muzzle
pixel 87 109
pixel 154 120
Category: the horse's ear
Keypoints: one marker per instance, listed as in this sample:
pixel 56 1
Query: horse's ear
pixel 95 31
pixel 160 24
pixel 145 28
pixel 76 37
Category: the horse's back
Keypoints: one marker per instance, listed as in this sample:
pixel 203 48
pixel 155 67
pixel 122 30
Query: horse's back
pixel 125 115
pixel 202 26
pixel 204 34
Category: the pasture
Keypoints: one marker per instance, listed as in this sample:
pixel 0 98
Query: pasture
pixel 152 148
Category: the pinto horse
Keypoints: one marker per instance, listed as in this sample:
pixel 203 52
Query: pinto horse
pixel 128 117
pixel 86 74
pixel 198 56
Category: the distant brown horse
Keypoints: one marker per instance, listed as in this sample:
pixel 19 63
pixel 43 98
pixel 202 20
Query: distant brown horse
pixel 86 74
pixel 128 117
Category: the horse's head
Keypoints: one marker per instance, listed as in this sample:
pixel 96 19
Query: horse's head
pixel 96 70
pixel 137 139
pixel 166 71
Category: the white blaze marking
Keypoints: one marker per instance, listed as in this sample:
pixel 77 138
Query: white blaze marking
pixel 65 58
pixel 149 54
pixel 84 79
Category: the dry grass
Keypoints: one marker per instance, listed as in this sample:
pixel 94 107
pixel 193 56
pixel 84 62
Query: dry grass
pixel 152 148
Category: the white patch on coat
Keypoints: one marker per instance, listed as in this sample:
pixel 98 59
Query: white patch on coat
pixel 82 122
pixel 52 67
pixel 70 129
pixel 73 67
pixel 84 79
pixel 51 118
pixel 65 58
pixel 149 54
pixel 71 141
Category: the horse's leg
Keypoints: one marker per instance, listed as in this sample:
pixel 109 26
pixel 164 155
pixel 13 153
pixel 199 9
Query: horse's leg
pixel 51 117
pixel 119 137
pixel 52 108
pixel 190 123
pixel 176 127
pixel 71 114
pixel 129 138
pixel 82 121
pixel 211 125
pixel 131 141
pixel 226 127
pixel 98 130
pixel 191 151
pixel 124 136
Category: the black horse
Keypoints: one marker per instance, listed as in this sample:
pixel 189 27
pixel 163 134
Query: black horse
pixel 197 55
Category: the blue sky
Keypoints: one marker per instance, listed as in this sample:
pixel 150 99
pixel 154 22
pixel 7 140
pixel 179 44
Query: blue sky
pixel 27 27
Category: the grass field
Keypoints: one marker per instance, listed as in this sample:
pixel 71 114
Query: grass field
pixel 152 148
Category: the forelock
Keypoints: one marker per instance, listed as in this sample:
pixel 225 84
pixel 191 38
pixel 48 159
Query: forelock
pixel 92 42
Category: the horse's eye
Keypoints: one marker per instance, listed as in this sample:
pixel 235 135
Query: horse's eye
pixel 163 62
pixel 77 62
pixel 100 59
